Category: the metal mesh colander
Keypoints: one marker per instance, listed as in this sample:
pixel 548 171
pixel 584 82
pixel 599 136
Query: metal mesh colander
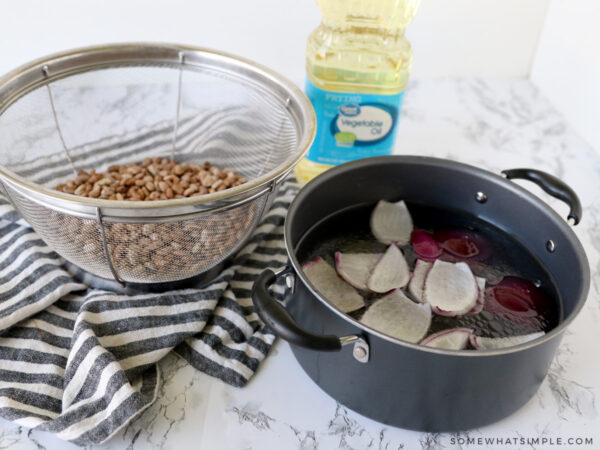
pixel 92 108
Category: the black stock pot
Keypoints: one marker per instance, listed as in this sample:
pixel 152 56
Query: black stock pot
pixel 404 384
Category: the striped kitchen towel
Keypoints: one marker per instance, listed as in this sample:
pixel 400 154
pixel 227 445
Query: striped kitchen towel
pixel 81 363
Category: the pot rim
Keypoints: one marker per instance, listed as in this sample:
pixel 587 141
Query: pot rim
pixel 439 162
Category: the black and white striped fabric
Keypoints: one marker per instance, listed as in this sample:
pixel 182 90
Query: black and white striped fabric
pixel 81 363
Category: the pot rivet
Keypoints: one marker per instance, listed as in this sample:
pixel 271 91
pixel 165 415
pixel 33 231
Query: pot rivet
pixel 481 197
pixel 289 281
pixel 359 352
pixel 550 246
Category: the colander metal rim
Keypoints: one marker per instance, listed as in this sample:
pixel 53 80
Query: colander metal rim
pixel 17 83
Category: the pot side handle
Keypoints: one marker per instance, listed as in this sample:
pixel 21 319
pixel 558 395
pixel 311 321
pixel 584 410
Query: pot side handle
pixel 553 186
pixel 275 316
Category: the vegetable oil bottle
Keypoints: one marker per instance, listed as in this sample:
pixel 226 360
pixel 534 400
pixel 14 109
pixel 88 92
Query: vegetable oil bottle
pixel 357 65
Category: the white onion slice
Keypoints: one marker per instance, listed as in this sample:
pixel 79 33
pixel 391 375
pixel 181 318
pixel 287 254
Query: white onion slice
pixel 355 268
pixel 453 339
pixel 331 287
pixel 484 343
pixel 480 297
pixel 391 222
pixel 417 281
pixel 390 272
pixel 450 288
pixel 398 316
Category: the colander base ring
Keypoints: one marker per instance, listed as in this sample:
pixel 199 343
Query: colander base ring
pixel 96 282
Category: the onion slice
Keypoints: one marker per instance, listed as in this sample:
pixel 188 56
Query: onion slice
pixel 450 288
pixel 425 245
pixel 452 339
pixel 461 244
pixel 355 268
pixel 391 222
pixel 520 301
pixel 417 281
pixel 390 272
pixel 484 343
pixel 480 297
pixel 398 316
pixel 325 279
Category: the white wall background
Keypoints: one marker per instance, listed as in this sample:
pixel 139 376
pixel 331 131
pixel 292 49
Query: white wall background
pixel 483 38
pixel 450 38
pixel 567 64
pixel 557 42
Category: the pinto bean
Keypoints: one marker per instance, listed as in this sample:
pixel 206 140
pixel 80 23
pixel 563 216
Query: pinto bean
pixel 152 179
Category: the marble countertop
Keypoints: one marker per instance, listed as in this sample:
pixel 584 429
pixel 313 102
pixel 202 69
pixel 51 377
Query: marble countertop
pixel 494 124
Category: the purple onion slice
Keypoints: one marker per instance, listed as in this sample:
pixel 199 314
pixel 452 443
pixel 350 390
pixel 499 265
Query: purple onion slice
pixel 398 316
pixel 484 343
pixel 391 222
pixel 452 339
pixel 417 281
pixel 463 244
pixel 425 245
pixel 390 272
pixel 331 287
pixel 520 301
pixel 355 268
pixel 450 288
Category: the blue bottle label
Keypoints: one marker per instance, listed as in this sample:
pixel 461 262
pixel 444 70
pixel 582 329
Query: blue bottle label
pixel 352 126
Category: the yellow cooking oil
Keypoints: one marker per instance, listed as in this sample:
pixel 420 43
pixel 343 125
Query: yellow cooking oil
pixel 357 65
